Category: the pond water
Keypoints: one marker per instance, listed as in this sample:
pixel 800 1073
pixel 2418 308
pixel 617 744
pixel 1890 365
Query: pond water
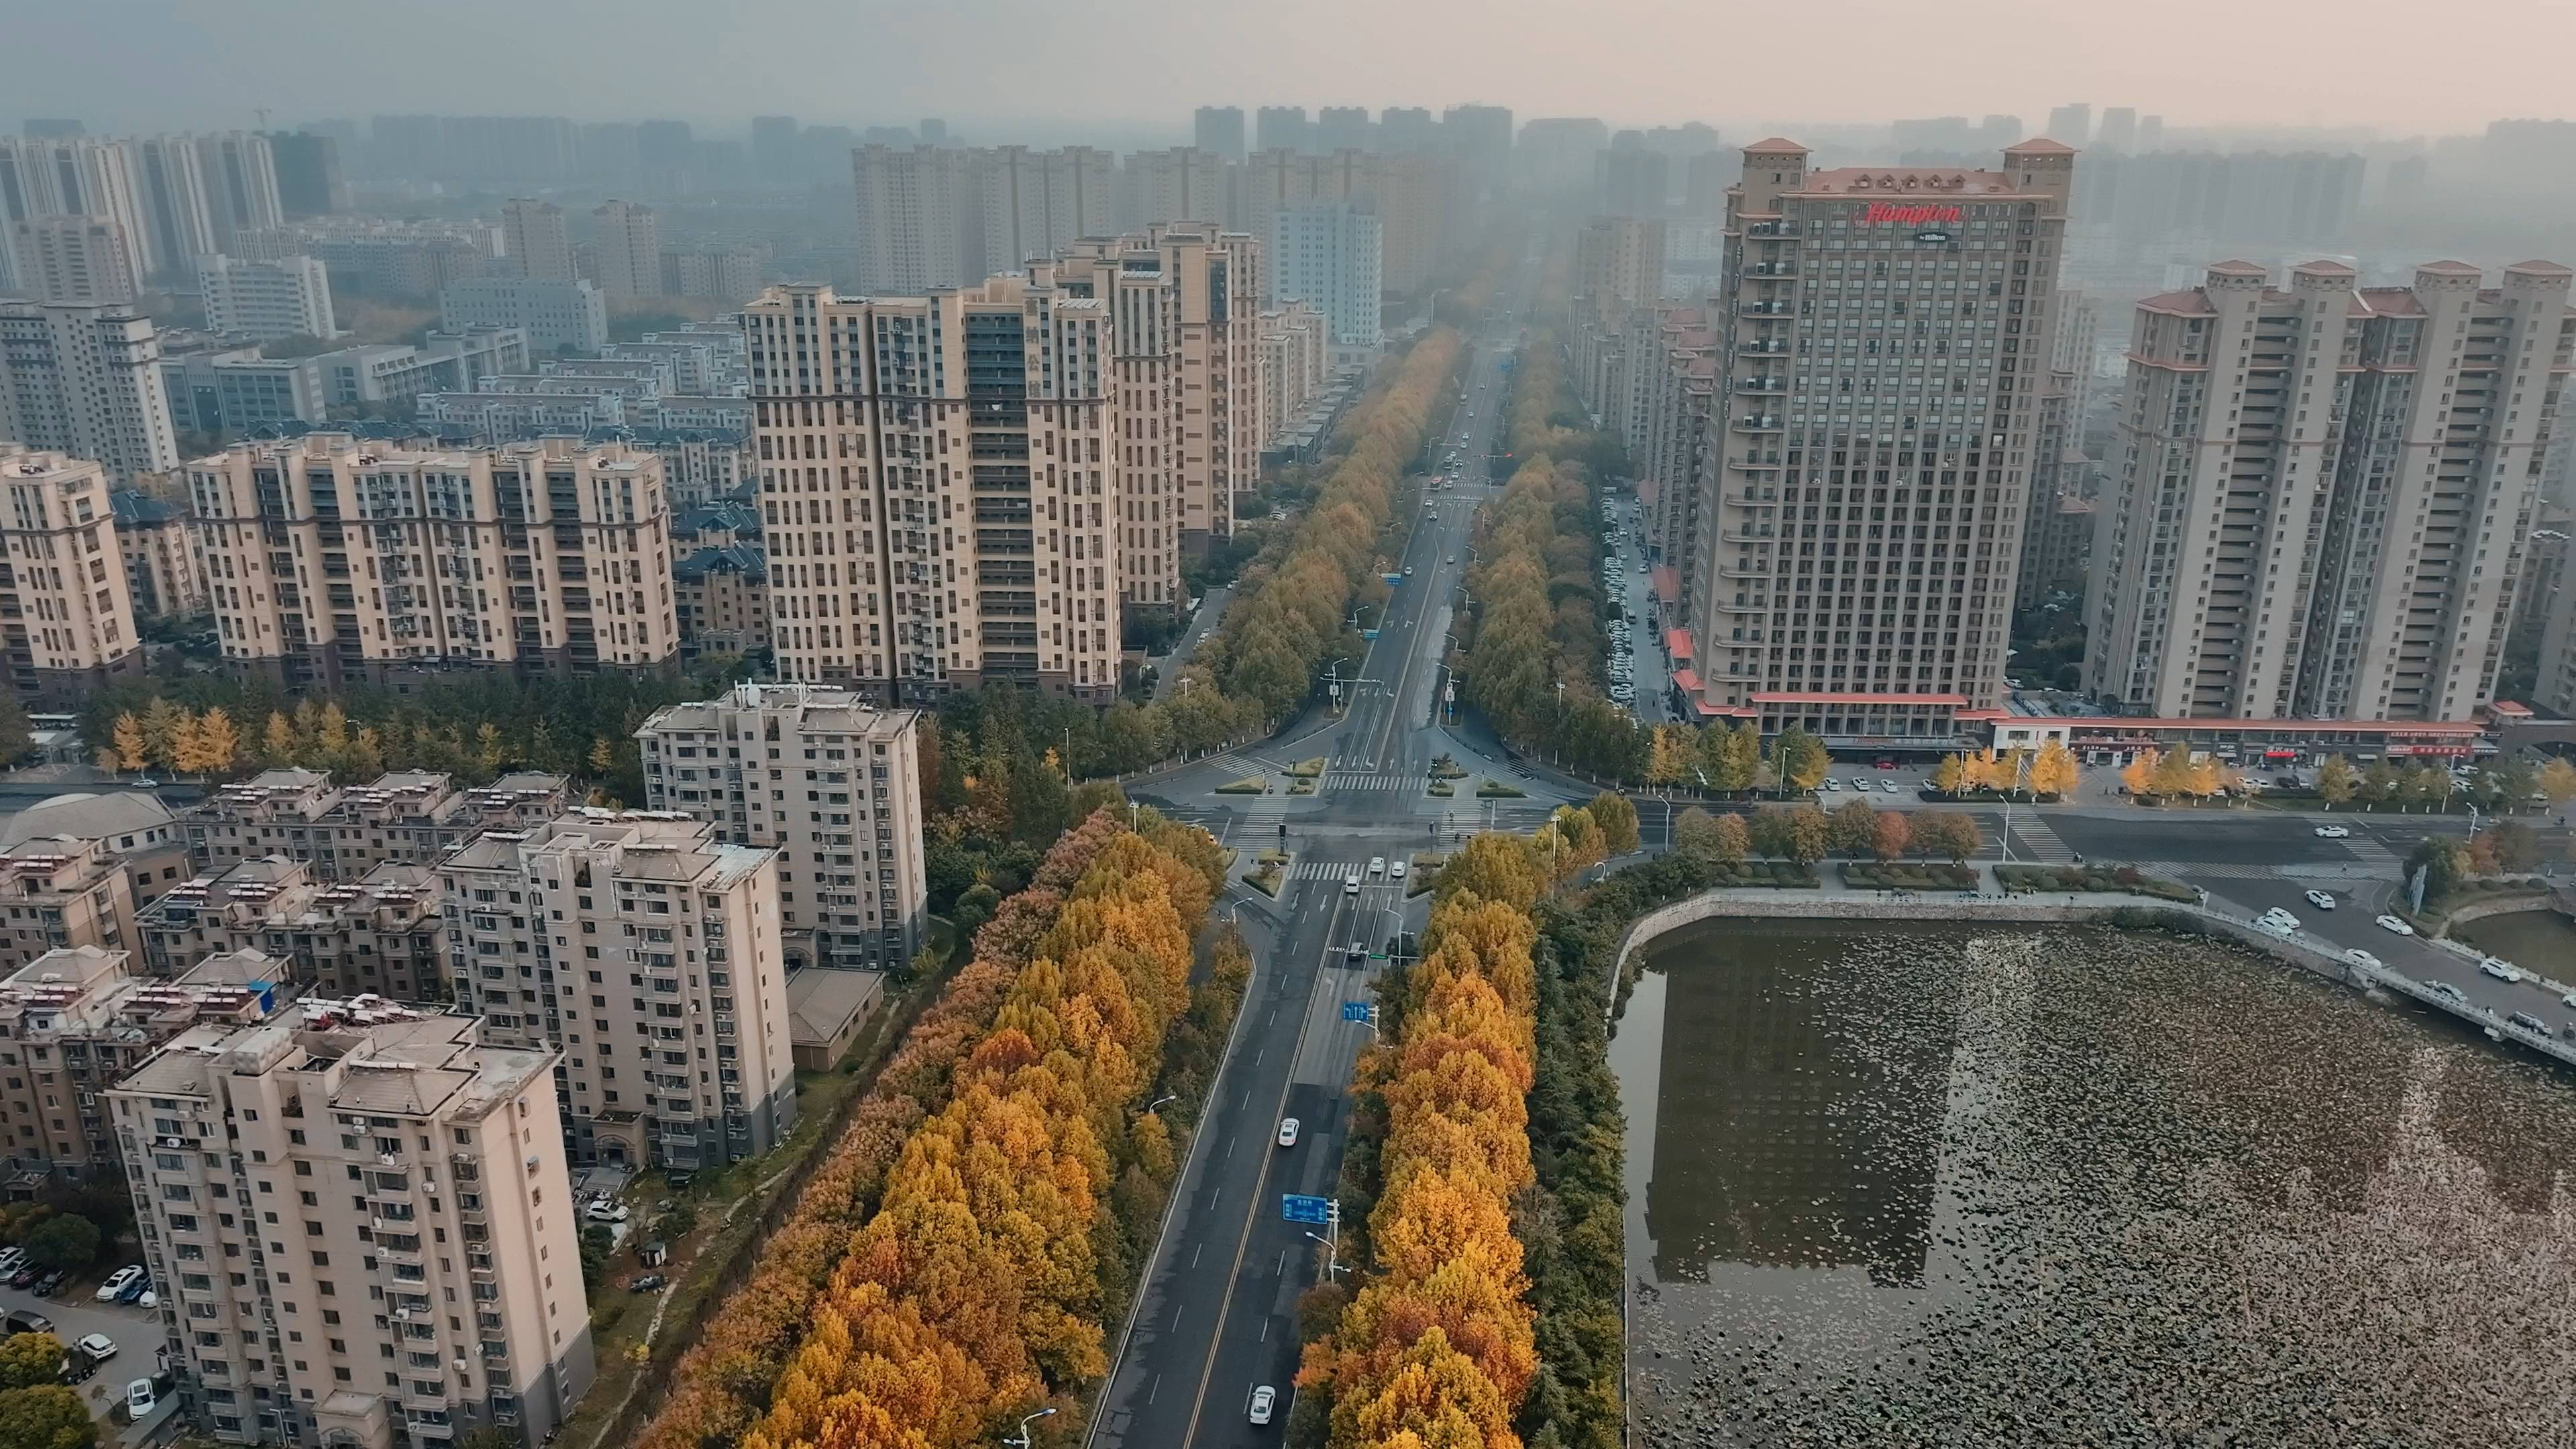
pixel 2543 941
pixel 1970 1186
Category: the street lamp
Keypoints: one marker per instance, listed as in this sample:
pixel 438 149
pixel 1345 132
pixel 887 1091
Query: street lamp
pixel 1158 1101
pixel 1021 1440
pixel 1333 1252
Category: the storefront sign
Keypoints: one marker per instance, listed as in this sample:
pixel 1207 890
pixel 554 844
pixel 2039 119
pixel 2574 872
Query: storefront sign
pixel 1889 213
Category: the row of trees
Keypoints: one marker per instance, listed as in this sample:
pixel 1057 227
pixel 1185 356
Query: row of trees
pixel 2507 784
pixel 474 725
pixel 1009 1221
pixel 2048 770
pixel 1439 1345
pixel 37 1409
pixel 1806 834
pixel 1533 665
pixel 720 1387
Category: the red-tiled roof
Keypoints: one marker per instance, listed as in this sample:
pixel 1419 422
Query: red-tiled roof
pixel 1776 143
pixel 2352 726
pixel 2192 303
pixel 2041 145
pixel 1928 701
pixel 1677 642
pixel 1687 681
pixel 1668 584
pixel 2509 709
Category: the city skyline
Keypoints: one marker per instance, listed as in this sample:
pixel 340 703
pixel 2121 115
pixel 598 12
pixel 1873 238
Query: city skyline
pixel 1086 70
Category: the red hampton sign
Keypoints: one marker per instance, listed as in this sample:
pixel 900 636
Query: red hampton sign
pixel 1888 213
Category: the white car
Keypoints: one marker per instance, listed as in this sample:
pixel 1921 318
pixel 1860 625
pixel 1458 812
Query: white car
pixel 98 1346
pixel 1351 884
pixel 2397 927
pixel 1832 784
pixel 118 1281
pixel 1263 1399
pixel 2331 832
pixel 2360 957
pixel 1377 865
pixel 1287 1131
pixel 2277 919
pixel 606 1212
pixel 1860 783
pixel 2500 969
pixel 139 1398
pixel 1395 870
pixel 2321 900
pixel 1889 786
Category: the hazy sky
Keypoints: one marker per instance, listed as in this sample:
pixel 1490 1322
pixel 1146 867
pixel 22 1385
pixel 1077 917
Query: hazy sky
pixel 2404 67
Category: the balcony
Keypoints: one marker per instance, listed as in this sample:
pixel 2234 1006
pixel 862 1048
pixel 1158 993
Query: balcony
pixel 1763 424
pixel 1761 384
pixel 1761 309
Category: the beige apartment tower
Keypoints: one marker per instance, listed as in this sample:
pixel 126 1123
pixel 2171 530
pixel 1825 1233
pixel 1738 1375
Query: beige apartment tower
pixel 940 487
pixel 538 242
pixel 646 953
pixel 626 251
pixel 2324 492
pixel 1185 303
pixel 66 616
pixel 361 1226
pixel 75 260
pixel 333 559
pixel 1885 337
pixel 830 781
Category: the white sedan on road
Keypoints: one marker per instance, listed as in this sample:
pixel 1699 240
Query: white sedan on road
pixel 2321 900
pixel 2360 957
pixel 2395 926
pixel 2500 969
pixel 2332 832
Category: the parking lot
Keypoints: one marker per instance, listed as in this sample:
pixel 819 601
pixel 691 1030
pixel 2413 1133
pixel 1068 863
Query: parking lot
pixel 1640 674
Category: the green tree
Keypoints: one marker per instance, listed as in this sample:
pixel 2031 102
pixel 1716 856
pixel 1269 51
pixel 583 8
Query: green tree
pixel 2517 846
pixel 1800 759
pixel 1616 816
pixel 2335 781
pixel 65 1242
pixel 1729 841
pixel 1694 832
pixel 17 733
pixel 1810 834
pixel 48 1416
pixel 29 1359
pixel 596 1245
pixel 2557 780
pixel 2379 784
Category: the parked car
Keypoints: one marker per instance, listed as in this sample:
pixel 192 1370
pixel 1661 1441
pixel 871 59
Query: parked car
pixel 44 1287
pixel 139 1398
pixel 649 1283
pixel 2397 927
pixel 25 1275
pixel 98 1346
pixel 606 1212
pixel 27 1320
pixel 118 1281
pixel 11 1260
pixel 137 1292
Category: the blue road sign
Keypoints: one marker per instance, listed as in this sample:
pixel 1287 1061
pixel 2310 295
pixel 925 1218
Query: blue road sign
pixel 1297 1207
pixel 1355 1011
pixel 1392 578
pixel 1368 633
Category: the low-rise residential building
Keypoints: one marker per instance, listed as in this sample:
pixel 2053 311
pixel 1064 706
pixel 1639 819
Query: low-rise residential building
pixel 406 816
pixel 131 825
pixel 1296 357
pixel 433 1287
pixel 267 300
pixel 830 780
pixel 62 891
pixel 646 953
pixel 555 315
pixel 376 934
pixel 75 1020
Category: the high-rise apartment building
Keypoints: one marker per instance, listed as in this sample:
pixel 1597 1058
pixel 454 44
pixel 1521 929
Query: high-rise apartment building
pixel 1219 130
pixel 1331 256
pixel 421 1278
pixel 1631 181
pixel 74 260
pixel 938 487
pixel 1415 197
pixel 75 1020
pixel 1178 185
pixel 1282 128
pixel 553 315
pixel 86 381
pixel 2324 492
pixel 1554 153
pixel 1035 203
pixel 265 301
pixel 536 239
pixel 531 556
pixel 67 627
pixel 1340 128
pixel 643 955
pixel 1402 129
pixel 1296 360
pixel 1185 306
pixel 911 211
pixel 2119 129
pixel 830 781
pixel 1480 136
pixel 1678 374
pixel 241 186
pixel 626 250
pixel 310 179
pixel 165 570
pixel 2072 124
pixel 1884 343
pixel 1619 264
pixel 81 176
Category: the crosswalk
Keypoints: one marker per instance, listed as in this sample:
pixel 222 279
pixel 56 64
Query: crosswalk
pixel 2033 840
pixel 1329 870
pixel 1356 780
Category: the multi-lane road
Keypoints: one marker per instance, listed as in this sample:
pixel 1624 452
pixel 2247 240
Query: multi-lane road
pixel 1217 1318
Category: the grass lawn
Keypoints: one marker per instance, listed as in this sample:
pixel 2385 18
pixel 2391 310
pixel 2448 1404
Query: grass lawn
pixel 1443 788
pixel 1266 878
pixel 1494 789
pixel 1248 785
pixel 1308 768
